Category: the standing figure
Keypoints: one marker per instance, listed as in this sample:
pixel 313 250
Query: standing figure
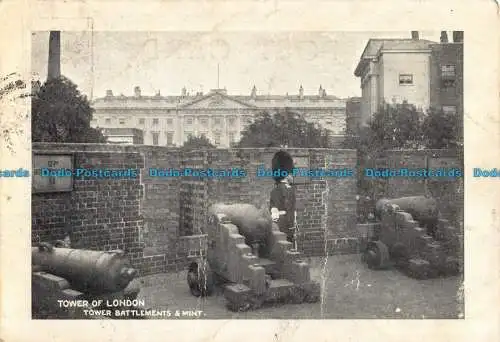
pixel 282 206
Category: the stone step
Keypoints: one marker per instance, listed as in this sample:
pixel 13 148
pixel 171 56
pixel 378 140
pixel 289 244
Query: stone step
pixel 280 283
pixel 267 264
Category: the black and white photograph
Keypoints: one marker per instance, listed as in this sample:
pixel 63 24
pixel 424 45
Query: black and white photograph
pixel 247 175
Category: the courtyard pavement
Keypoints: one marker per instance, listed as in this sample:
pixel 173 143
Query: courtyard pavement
pixel 350 291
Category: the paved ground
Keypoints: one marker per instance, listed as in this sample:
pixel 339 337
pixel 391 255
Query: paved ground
pixel 350 290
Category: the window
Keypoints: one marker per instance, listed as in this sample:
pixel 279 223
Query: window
pixel 170 138
pixel 447 75
pixel 155 138
pixel 217 122
pixel 189 121
pixel 232 122
pixel 155 121
pixel 448 70
pixel 450 110
pixel 141 121
pixel 231 138
pixel 108 121
pixel 217 139
pixel 187 135
pixel 405 79
pixel 122 121
pixel 170 121
pixel 204 122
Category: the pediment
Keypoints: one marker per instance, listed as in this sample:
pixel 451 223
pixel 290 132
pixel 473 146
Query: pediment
pixel 217 100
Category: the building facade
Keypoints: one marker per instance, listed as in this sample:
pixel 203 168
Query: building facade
pixel 447 81
pixel 170 120
pixel 397 70
pixel 353 115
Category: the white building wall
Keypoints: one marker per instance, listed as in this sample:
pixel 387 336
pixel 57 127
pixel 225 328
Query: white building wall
pixel 415 63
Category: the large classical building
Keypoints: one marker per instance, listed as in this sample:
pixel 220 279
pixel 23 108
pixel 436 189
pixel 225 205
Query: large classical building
pixel 170 120
pixel 422 72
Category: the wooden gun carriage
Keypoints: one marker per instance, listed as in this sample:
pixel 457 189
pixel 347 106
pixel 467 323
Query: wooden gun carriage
pixel 78 275
pixel 411 235
pixel 250 276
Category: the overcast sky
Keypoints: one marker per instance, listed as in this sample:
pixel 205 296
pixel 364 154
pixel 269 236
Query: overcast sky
pixel 276 62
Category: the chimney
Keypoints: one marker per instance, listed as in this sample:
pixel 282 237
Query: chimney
pixel 444 37
pixel 458 36
pixel 414 35
pixel 254 92
pixel 109 93
pixel 137 91
pixel 54 67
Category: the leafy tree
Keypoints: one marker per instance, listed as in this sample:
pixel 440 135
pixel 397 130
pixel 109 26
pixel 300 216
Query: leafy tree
pixel 440 129
pixel 60 113
pixel 283 128
pixel 197 143
pixel 396 125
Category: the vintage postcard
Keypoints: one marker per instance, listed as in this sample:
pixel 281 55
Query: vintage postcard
pixel 247 170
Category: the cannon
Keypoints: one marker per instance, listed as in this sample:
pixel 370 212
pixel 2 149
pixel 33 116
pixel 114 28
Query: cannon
pixel 255 225
pixel 249 278
pixel 75 274
pixel 411 235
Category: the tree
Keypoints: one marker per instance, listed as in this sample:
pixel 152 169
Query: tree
pixel 197 143
pixel 283 128
pixel 60 113
pixel 396 125
pixel 440 129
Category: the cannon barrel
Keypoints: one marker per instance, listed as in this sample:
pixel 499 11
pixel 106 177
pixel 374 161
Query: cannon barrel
pixel 86 271
pixel 253 223
pixel 421 208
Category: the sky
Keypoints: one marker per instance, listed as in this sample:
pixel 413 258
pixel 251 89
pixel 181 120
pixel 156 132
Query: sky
pixel 275 62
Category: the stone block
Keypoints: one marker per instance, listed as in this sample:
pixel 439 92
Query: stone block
pixel 257 279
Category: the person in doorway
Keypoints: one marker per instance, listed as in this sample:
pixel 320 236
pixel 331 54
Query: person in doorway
pixel 282 207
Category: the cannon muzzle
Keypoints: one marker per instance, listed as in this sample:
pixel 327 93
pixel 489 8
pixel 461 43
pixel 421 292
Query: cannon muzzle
pixel 87 271
pixel 421 208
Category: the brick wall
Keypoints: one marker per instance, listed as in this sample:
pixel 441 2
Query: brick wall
pixel 99 214
pixel 159 221
pixel 448 192
pixel 325 207
pixel 163 218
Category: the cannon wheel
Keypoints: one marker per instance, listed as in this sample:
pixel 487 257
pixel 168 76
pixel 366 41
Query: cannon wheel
pixel 376 255
pixel 200 278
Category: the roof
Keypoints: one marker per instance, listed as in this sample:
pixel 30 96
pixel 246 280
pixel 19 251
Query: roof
pixel 247 101
pixel 376 46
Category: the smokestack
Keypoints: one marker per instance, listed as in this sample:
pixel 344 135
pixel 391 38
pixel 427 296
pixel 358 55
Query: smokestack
pixel 414 35
pixel 444 37
pixel 458 36
pixel 54 67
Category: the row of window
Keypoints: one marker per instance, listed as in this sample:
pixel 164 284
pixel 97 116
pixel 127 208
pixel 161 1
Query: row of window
pixel 447 75
pixel 189 121
pixel 187 135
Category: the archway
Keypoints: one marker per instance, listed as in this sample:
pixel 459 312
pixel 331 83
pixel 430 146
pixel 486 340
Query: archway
pixel 282 161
